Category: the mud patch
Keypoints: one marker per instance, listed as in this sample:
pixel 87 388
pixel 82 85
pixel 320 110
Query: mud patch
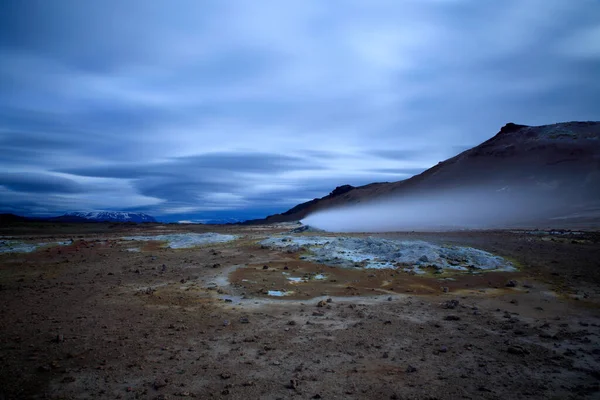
pixel 313 280
pixel 415 256
pixel 13 246
pixel 185 240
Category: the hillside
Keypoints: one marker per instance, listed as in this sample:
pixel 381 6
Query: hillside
pixel 560 160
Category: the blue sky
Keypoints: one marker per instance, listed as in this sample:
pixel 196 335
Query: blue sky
pixel 192 110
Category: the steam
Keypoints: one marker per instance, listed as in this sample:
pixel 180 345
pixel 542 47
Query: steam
pixel 479 208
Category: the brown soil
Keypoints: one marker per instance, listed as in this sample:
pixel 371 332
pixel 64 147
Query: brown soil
pixel 95 320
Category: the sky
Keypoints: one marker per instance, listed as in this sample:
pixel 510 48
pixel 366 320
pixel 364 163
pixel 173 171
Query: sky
pixel 192 110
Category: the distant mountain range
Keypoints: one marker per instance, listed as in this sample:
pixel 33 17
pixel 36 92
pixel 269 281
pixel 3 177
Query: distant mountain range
pixel 559 162
pixel 73 217
pixel 112 216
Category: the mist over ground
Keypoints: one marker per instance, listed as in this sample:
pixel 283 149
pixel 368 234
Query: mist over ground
pixel 475 208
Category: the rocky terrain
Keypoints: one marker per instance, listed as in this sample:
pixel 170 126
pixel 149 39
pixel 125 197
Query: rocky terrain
pixel 236 312
pixel 559 162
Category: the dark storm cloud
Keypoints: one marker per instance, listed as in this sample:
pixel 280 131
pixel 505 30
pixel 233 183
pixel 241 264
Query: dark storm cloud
pixel 408 172
pixel 399 154
pixel 38 183
pixel 178 109
pixel 213 164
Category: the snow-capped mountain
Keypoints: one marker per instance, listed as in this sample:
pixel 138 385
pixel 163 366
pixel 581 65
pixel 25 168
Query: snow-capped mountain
pixel 113 216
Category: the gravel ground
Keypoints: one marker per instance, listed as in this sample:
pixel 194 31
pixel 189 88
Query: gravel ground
pixel 94 320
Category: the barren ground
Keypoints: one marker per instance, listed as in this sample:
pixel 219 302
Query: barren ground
pixel 108 318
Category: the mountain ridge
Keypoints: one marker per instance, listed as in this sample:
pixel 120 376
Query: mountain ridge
pixel 112 216
pixel 564 156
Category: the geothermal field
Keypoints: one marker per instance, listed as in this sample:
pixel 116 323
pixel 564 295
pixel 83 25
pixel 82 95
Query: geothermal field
pixel 286 311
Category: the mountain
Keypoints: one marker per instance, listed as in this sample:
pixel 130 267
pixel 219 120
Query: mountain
pixel 109 216
pixel 560 162
pixel 7 218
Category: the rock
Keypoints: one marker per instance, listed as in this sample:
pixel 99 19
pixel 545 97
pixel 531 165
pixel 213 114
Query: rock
pixel 293 384
pixel 445 289
pixel 321 303
pixel 450 304
pixel 291 323
pixel 244 320
pixel 159 383
pixel 452 318
pixel 511 283
pixel 318 314
pixel 225 375
pixel 226 323
pixel 443 349
pixel 517 350
pixel 265 267
pixel 330 300
pixel 411 369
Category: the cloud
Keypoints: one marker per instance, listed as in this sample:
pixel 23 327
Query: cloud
pixel 39 183
pixel 254 106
